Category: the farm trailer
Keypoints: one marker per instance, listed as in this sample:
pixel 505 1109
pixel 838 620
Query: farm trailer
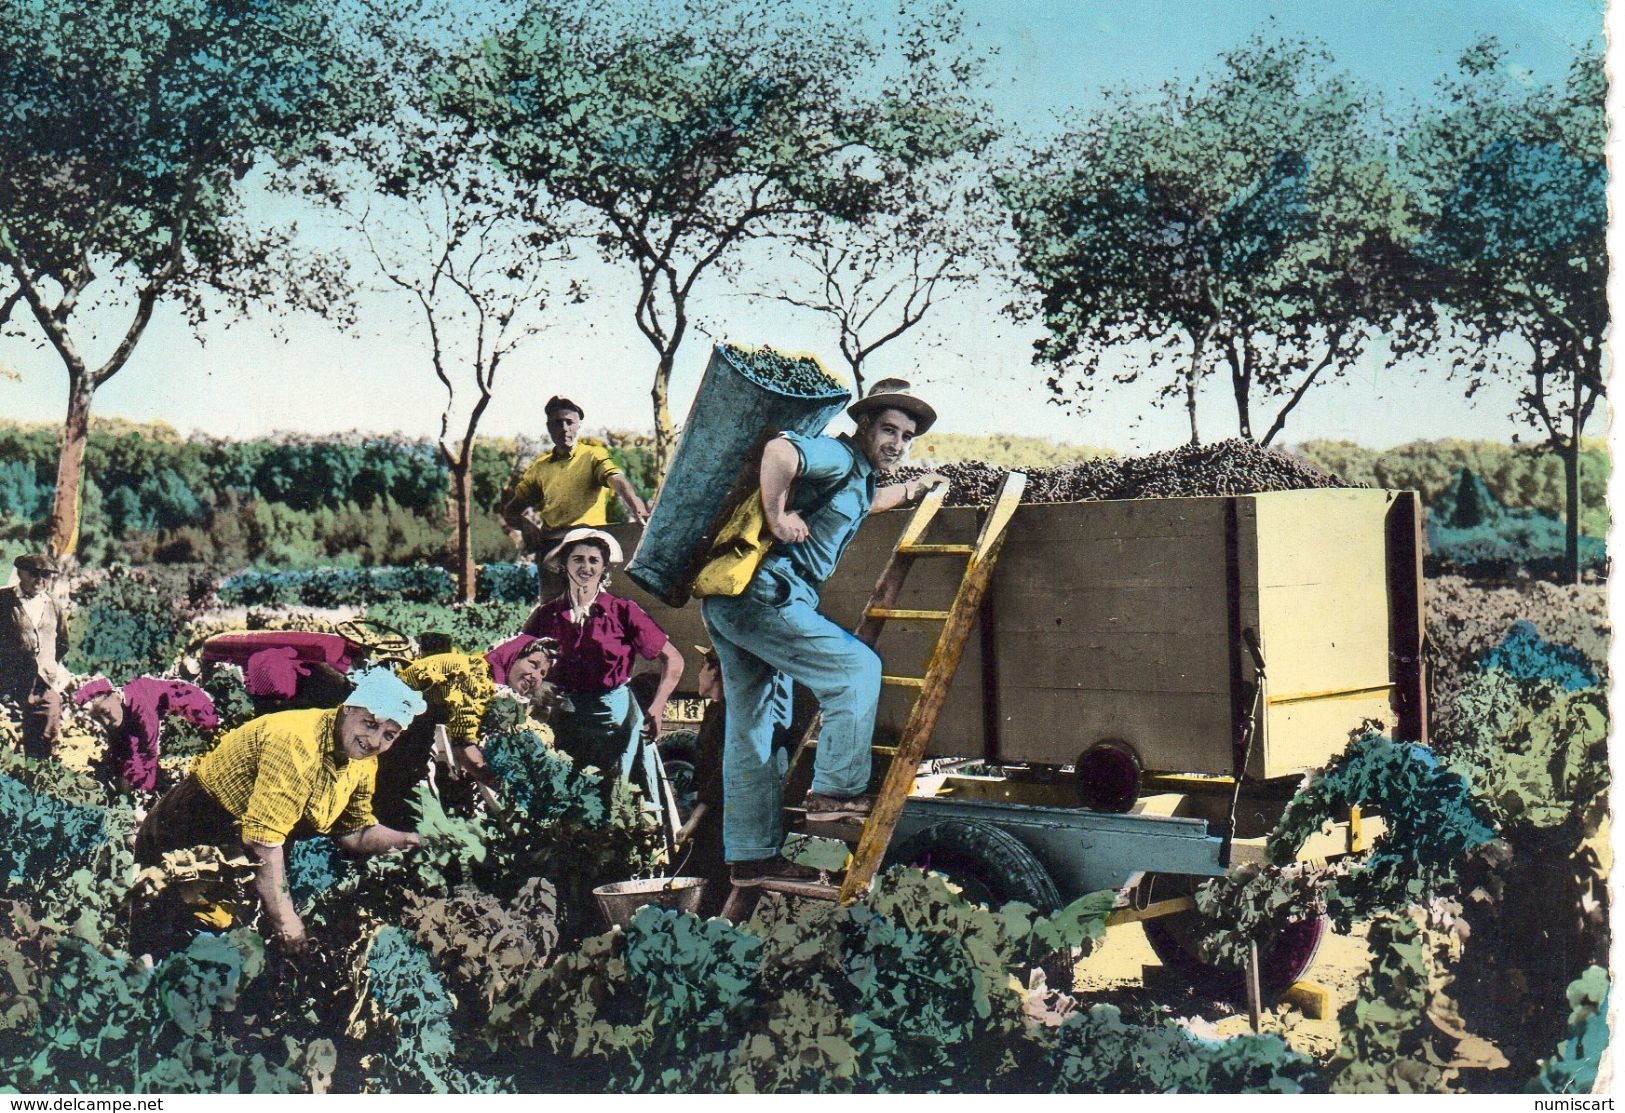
pixel 1148 681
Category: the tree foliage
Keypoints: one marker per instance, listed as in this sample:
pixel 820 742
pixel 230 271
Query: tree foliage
pixel 687 130
pixel 129 130
pixel 1248 219
pixel 1511 182
pixel 475 252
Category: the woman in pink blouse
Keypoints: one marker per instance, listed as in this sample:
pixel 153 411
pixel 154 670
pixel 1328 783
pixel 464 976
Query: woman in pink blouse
pixel 600 636
pixel 133 716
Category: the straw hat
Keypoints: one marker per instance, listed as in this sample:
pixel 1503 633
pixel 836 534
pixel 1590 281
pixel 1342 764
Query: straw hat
pixel 895 394
pixel 553 561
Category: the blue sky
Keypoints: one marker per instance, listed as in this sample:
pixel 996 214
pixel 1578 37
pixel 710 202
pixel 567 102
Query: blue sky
pixel 1057 54
pixel 1050 58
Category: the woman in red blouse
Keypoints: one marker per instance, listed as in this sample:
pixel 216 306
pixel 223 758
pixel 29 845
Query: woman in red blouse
pixel 599 637
pixel 133 717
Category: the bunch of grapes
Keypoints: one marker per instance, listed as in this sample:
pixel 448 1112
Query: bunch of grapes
pixel 799 376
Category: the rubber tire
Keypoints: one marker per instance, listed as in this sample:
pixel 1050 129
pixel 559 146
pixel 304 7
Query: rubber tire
pixel 680 754
pixel 680 745
pixel 1282 960
pixel 991 867
pixel 684 781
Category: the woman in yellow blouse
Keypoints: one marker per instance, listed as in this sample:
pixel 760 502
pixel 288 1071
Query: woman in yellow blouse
pixel 457 687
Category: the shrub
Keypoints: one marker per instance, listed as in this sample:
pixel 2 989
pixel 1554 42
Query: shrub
pixel 42 839
pixel 911 989
pixel 1573 1070
pixel 1524 655
pixel 1523 476
pixel 1471 532
pixel 473 627
pixel 1433 821
pixel 338 587
pixel 1530 731
pixel 123 625
pixel 507 583
pixel 106 1023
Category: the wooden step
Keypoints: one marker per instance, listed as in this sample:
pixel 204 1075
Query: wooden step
pixel 815 889
pixel 936 550
pixel 904 681
pixel 837 831
pixel 796 817
pixel 812 744
pixel 907 613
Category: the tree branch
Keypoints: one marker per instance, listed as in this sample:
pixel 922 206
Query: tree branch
pixel 1279 423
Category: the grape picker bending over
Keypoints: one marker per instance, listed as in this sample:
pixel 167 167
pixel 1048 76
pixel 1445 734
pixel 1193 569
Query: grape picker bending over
pixel 816 492
pixel 457 687
pixel 288 775
pixel 567 487
pixel 133 718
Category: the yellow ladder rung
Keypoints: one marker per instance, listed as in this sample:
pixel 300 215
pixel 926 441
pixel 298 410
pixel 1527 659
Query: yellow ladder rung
pixel 904 612
pixel 904 681
pixel 936 550
pixel 883 751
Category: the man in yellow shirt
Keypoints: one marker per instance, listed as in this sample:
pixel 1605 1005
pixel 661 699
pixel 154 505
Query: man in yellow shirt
pixel 287 775
pixel 564 488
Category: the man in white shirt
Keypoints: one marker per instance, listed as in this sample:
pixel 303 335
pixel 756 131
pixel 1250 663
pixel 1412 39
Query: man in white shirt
pixel 33 641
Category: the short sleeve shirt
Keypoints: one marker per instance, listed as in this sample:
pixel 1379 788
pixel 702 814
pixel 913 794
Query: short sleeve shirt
pixel 569 490
pixel 833 492
pixel 598 655
pixel 280 771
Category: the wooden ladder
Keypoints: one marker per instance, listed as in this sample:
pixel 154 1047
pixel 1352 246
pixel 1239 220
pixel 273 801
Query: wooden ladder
pixel 932 688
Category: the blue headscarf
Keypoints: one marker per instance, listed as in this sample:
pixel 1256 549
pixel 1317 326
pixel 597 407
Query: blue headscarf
pixel 386 696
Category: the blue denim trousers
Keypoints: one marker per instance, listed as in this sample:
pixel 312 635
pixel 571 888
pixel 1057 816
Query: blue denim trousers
pixel 765 638
pixel 605 729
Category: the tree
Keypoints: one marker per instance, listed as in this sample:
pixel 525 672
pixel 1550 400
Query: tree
pixel 1249 221
pixel 129 128
pixel 877 278
pixel 691 128
pixel 1515 185
pixel 474 250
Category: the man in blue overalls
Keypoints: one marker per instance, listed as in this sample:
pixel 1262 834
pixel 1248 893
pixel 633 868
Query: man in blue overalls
pixel 816 491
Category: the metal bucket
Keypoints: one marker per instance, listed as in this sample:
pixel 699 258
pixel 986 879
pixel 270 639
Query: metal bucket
pixel 620 900
pixel 734 412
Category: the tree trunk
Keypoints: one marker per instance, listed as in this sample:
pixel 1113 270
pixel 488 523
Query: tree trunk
pixel 665 435
pixel 462 508
pixel 1241 384
pixel 1571 490
pixel 1192 373
pixel 70 466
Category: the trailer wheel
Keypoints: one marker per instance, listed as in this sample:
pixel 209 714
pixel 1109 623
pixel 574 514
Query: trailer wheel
pixel 991 867
pixel 1108 775
pixel 1282 959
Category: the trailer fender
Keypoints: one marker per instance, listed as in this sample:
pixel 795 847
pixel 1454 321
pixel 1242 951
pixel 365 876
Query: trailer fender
pixel 1283 958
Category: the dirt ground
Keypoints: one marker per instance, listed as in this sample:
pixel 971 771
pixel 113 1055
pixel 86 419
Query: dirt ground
pixel 1125 972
